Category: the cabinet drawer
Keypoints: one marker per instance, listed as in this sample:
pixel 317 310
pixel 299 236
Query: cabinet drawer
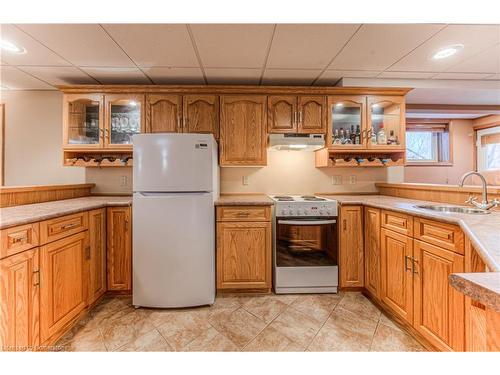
pixel 244 213
pixel 446 236
pixel 16 239
pixel 60 227
pixel 398 222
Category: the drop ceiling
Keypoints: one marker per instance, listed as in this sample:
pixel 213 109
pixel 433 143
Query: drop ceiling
pixel 270 54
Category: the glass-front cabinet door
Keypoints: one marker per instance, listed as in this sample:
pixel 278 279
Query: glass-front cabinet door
pixel 346 122
pixel 83 121
pixel 124 118
pixel 386 122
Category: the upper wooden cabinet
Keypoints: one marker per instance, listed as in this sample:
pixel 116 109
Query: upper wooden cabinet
pixel 296 114
pixel 351 266
pixel 366 123
pixel 163 113
pixel 124 117
pixel 243 137
pixel 201 114
pixel 83 121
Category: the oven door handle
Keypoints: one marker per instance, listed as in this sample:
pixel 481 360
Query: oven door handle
pixel 307 222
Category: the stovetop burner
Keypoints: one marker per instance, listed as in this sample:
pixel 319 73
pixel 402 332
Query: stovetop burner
pixel 312 198
pixel 283 198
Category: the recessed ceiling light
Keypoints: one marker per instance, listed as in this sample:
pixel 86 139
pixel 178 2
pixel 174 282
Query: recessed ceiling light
pixel 447 51
pixel 11 47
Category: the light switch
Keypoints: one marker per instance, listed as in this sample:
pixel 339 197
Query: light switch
pixel 245 180
pixel 352 179
pixel 337 180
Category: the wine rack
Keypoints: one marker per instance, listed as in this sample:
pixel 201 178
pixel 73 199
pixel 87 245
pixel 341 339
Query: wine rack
pixel 97 159
pixel 325 158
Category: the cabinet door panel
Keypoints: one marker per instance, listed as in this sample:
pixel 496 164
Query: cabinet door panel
pixel 201 114
pixel 243 130
pixel 387 112
pixel 243 255
pixel 372 251
pixel 282 114
pixel 119 252
pixel 396 273
pixel 63 292
pixel 19 301
pixel 97 254
pixel 351 265
pixel 83 121
pixel 124 117
pixel 312 114
pixel 439 308
pixel 163 113
pixel 344 111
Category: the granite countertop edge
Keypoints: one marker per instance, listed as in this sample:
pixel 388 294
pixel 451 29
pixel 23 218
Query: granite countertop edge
pixel 476 289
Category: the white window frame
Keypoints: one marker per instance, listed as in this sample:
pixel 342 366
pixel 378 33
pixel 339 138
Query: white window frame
pixel 434 151
pixel 481 151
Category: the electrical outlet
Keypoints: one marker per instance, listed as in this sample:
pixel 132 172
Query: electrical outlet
pixel 123 181
pixel 337 180
pixel 245 180
pixel 352 180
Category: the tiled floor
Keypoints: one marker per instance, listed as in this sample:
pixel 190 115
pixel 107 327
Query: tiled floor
pixel 327 322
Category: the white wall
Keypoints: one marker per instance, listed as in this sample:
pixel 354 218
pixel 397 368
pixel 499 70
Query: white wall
pixel 33 140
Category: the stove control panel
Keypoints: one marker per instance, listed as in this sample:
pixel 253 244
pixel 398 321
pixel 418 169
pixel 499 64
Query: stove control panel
pixel 287 209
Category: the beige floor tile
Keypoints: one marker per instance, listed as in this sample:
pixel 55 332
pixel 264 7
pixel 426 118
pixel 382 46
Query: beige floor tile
pixel 181 327
pixel 317 306
pixel 211 341
pixel 84 341
pixel 296 326
pixel 272 340
pixel 239 326
pixel 159 317
pixel 125 329
pixel 265 308
pixel 388 339
pixel 344 331
pixel 388 322
pixel 151 341
pixel 359 304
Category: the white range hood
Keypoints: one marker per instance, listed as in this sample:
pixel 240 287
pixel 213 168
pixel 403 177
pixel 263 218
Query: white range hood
pixel 296 142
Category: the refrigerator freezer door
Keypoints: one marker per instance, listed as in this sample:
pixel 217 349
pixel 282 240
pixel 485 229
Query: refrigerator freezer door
pixel 174 249
pixel 173 162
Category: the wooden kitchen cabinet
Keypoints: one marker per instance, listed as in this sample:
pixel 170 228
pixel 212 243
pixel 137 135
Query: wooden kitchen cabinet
pixel 63 293
pixel 281 114
pixel 372 251
pixel 123 118
pixel 296 114
pixel 312 114
pixel 19 301
pixel 201 114
pixel 244 252
pixel 243 136
pixel 351 263
pixel 96 255
pixel 439 308
pixel 163 113
pixel 396 252
pixel 387 112
pixel 119 249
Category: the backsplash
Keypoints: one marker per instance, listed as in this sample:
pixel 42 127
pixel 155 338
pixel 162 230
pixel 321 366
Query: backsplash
pixel 110 180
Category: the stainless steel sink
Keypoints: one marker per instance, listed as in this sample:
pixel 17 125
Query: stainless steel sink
pixel 457 209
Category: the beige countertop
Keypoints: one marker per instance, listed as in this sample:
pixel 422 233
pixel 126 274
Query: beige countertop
pixel 480 286
pixel 30 213
pixel 244 200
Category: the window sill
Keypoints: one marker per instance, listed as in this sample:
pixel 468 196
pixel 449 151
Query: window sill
pixel 428 164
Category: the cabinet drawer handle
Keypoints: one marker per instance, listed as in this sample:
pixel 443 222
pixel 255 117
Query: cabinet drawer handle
pixel 406 263
pixel 17 239
pixel 69 226
pixel 37 273
pixel 126 225
pixel 413 265
pixel 300 117
pixel 243 214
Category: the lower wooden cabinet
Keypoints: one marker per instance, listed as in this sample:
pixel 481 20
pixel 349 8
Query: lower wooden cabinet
pixel 396 252
pixel 19 301
pixel 439 308
pixel 63 293
pixel 119 248
pixel 244 254
pixel 351 264
pixel 96 255
pixel 372 251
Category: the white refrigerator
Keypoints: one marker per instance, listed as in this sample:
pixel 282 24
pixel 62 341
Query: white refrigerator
pixel 175 183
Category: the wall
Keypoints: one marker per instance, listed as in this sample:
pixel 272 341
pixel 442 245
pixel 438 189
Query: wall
pixel 463 159
pixel 33 139
pixel 293 172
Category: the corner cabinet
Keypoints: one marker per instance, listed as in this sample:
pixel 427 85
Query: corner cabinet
pixel 119 249
pixel 243 136
pixel 351 263
pixel 296 114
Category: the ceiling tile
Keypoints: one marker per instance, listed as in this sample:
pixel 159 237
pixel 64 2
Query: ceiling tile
pixel 59 75
pixel 36 53
pixel 82 44
pixel 117 75
pixel 407 75
pixel 14 79
pixel 487 61
pixel 448 75
pixel 303 46
pixel 289 76
pixel 164 75
pixel 232 45
pixel 475 39
pixel 330 77
pixel 233 76
pixel 155 44
pixel 377 46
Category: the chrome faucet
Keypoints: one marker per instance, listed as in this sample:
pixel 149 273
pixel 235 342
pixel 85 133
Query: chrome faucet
pixel 484 205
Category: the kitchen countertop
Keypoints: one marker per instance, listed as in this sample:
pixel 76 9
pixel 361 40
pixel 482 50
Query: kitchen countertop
pixel 480 286
pixel 244 200
pixel 30 213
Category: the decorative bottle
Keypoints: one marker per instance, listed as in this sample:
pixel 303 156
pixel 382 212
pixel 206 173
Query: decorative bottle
pixel 381 137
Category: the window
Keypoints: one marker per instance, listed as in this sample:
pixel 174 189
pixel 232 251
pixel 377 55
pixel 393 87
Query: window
pixel 427 143
pixel 488 149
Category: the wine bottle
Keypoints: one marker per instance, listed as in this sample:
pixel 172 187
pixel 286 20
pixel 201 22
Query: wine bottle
pixel 381 137
pixel 357 138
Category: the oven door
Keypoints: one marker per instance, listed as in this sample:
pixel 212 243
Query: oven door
pixel 306 242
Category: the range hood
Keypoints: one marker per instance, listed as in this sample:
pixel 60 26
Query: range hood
pixel 296 142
